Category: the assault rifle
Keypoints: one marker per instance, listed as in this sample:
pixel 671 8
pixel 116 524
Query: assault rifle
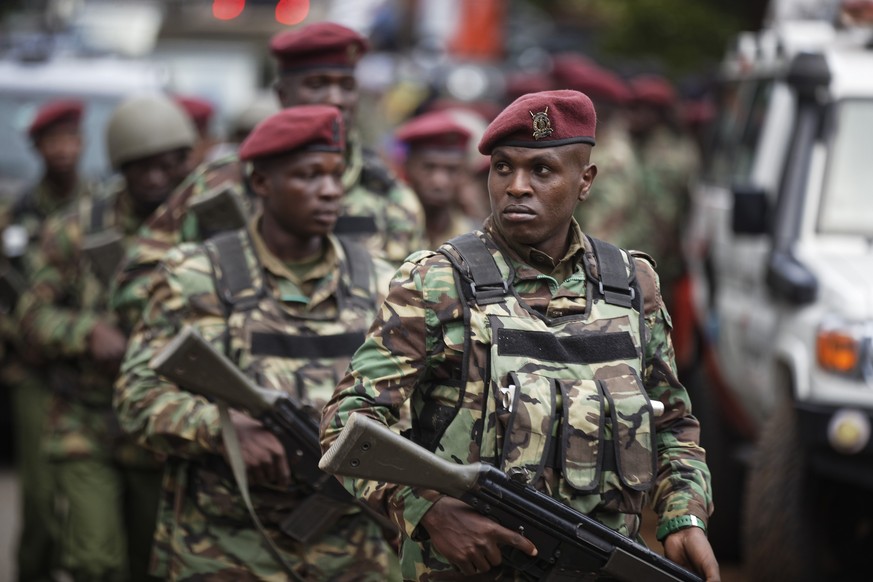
pixel 570 544
pixel 196 366
pixel 217 210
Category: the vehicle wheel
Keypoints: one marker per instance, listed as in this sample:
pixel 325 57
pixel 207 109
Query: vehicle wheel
pixel 725 468
pixel 779 521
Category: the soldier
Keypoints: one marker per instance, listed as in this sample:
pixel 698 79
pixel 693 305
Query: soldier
pixel 543 357
pixel 668 160
pixel 56 136
pixel 435 166
pixel 287 281
pixel 201 113
pixel 110 485
pixel 316 66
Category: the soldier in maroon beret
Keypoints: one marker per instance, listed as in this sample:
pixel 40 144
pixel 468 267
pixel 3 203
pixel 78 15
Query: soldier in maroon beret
pixel 316 64
pixel 532 347
pixel 436 166
pixel 55 133
pixel 314 297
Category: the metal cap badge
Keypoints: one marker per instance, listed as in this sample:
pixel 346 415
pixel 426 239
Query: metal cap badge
pixel 542 125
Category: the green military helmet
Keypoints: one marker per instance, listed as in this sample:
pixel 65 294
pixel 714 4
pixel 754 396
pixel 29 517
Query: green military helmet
pixel 146 125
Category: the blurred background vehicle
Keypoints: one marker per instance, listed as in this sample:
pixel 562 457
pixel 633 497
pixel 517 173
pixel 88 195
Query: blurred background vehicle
pixel 780 248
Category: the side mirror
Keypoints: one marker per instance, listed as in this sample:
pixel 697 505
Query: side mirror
pixel 751 210
pixel 789 279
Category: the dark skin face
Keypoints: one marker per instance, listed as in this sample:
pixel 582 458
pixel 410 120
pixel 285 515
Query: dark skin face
pixel 60 146
pixel 534 191
pixel 300 195
pixel 436 176
pixel 326 86
pixel 151 180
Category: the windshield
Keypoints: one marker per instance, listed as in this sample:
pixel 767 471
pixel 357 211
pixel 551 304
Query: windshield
pixel 847 203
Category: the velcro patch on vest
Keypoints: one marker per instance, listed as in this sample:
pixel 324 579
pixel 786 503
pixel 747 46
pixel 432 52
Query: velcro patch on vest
pixel 306 346
pixel 580 349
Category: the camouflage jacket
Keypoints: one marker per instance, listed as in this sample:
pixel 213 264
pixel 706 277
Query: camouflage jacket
pixel 57 314
pixel 456 381
pixel 379 210
pixel 260 328
pixel 29 212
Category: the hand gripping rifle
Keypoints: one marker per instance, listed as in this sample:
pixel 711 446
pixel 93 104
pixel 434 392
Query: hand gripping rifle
pixel 196 366
pixel 570 544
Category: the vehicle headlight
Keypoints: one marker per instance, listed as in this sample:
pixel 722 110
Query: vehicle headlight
pixel 845 348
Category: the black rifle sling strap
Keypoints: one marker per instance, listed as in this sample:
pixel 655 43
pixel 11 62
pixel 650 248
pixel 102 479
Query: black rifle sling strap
pixel 614 286
pixel 486 282
pixel 359 265
pixel 234 285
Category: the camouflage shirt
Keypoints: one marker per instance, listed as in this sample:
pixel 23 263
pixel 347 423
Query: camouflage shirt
pixel 57 314
pixel 291 303
pixel 418 349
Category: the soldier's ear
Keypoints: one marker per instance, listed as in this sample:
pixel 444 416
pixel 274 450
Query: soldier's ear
pixel 259 182
pixel 586 179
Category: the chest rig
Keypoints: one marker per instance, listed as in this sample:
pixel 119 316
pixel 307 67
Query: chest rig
pixel 274 337
pixel 556 398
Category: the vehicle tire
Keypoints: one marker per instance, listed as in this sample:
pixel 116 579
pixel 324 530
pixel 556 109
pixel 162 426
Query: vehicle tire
pixel 779 519
pixel 726 470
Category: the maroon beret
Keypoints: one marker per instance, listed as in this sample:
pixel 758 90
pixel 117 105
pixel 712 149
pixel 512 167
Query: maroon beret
pixel 56 112
pixel 304 128
pixel 653 90
pixel 199 110
pixel 437 129
pixel 542 120
pixel 322 44
pixel 598 83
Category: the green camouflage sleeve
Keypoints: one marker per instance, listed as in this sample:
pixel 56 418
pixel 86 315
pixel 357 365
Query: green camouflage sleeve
pixel 402 345
pixel 160 415
pixel 61 307
pixel 683 484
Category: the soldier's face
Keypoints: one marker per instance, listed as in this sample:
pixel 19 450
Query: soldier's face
pixel 436 175
pixel 60 147
pixel 534 191
pixel 152 179
pixel 301 192
pixel 337 87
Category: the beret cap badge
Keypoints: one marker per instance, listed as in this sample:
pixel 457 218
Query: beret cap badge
pixel 542 125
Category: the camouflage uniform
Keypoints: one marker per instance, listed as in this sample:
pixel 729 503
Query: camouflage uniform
pixel 204 528
pixel 580 423
pixel 95 464
pixel 24 374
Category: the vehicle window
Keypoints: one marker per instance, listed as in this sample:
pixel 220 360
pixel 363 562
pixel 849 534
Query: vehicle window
pixel 747 148
pixel 724 132
pixel 847 207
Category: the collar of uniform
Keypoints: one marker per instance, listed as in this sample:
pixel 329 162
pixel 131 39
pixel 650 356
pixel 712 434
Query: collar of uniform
pixel 354 160
pixel 277 267
pixel 537 259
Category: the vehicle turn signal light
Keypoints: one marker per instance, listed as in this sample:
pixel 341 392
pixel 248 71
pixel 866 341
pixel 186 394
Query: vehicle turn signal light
pixel 837 351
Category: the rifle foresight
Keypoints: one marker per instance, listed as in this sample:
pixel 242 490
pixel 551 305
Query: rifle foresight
pixel 190 361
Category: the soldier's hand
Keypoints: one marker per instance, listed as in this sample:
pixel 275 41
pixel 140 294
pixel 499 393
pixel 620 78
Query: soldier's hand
pixel 470 541
pixel 690 548
pixel 107 344
pixel 262 453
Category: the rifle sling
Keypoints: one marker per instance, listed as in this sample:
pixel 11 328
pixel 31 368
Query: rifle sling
pixel 234 457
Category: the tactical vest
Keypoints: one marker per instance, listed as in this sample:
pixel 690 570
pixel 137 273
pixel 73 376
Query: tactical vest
pixel 563 393
pixel 375 178
pixel 302 355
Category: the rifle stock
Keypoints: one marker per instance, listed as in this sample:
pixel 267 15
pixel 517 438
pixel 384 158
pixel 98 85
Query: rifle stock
pixel 195 365
pixel 569 543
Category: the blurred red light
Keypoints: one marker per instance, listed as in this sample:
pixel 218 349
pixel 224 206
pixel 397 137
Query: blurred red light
pixel 227 9
pixel 292 11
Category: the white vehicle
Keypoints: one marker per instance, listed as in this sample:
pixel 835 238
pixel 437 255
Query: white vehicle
pixel 780 249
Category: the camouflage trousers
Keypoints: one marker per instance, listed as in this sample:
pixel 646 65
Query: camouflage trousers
pixel 353 550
